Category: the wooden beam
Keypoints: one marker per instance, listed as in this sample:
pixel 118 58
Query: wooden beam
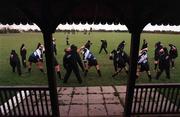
pixel 135 39
pixel 47 30
pixel 51 73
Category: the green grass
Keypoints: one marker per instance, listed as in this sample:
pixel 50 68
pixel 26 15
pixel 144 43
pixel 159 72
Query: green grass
pixel 14 41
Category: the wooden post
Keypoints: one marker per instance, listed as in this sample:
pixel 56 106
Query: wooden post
pixel 135 39
pixel 51 73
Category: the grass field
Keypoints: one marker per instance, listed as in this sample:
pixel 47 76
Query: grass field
pixel 14 41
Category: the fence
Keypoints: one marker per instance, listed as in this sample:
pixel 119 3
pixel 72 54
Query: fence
pixel 156 99
pixel 31 101
pixel 34 101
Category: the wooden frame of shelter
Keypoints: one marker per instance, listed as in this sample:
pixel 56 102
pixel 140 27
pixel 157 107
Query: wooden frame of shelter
pixel 47 14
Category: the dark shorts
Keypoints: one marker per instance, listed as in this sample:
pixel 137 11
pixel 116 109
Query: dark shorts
pixel 144 67
pixel 121 65
pixel 156 58
pixel 32 59
pixel 92 62
pixel 173 56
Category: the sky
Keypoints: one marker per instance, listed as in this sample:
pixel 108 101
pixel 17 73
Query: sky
pixel 148 27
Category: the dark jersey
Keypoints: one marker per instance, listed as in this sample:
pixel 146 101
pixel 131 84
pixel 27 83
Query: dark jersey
pixel 125 57
pixel 113 55
pixel 157 52
pixel 14 59
pixel 104 43
pixel 79 61
pixel 145 45
pixel 54 45
pixel 88 45
pixel 23 52
pixel 121 46
pixel 121 59
pixel 69 60
pixel 164 61
pixel 173 52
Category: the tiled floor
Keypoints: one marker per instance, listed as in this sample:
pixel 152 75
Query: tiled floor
pixel 91 101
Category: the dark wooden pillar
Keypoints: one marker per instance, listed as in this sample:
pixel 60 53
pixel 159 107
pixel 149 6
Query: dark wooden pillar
pixel 51 73
pixel 135 39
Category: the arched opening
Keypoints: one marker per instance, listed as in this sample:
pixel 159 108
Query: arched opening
pixel 47 15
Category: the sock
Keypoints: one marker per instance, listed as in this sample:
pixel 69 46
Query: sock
pixel 85 73
pixel 59 74
pixel 29 69
pixel 172 64
pixel 149 76
pixel 99 72
pixel 116 73
pixel 155 67
pixel 42 70
pixel 158 75
pixel 168 77
pixel 80 81
pixel 20 73
pixel 13 70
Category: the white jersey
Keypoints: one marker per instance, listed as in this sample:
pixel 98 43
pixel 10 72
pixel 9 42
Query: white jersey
pixel 143 58
pixel 86 54
pixel 38 53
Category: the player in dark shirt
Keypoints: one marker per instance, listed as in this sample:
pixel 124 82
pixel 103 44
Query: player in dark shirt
pixel 113 56
pixel 173 54
pixel 103 46
pixel 121 46
pixel 70 64
pixel 164 63
pixel 145 44
pixel 88 44
pixel 158 47
pixel 67 40
pixel 15 62
pixel 78 58
pixel 23 52
pixel 121 60
pixel 54 46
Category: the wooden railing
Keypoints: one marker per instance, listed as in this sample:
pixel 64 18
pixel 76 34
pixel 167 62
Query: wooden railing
pixel 34 101
pixel 156 99
pixel 31 101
